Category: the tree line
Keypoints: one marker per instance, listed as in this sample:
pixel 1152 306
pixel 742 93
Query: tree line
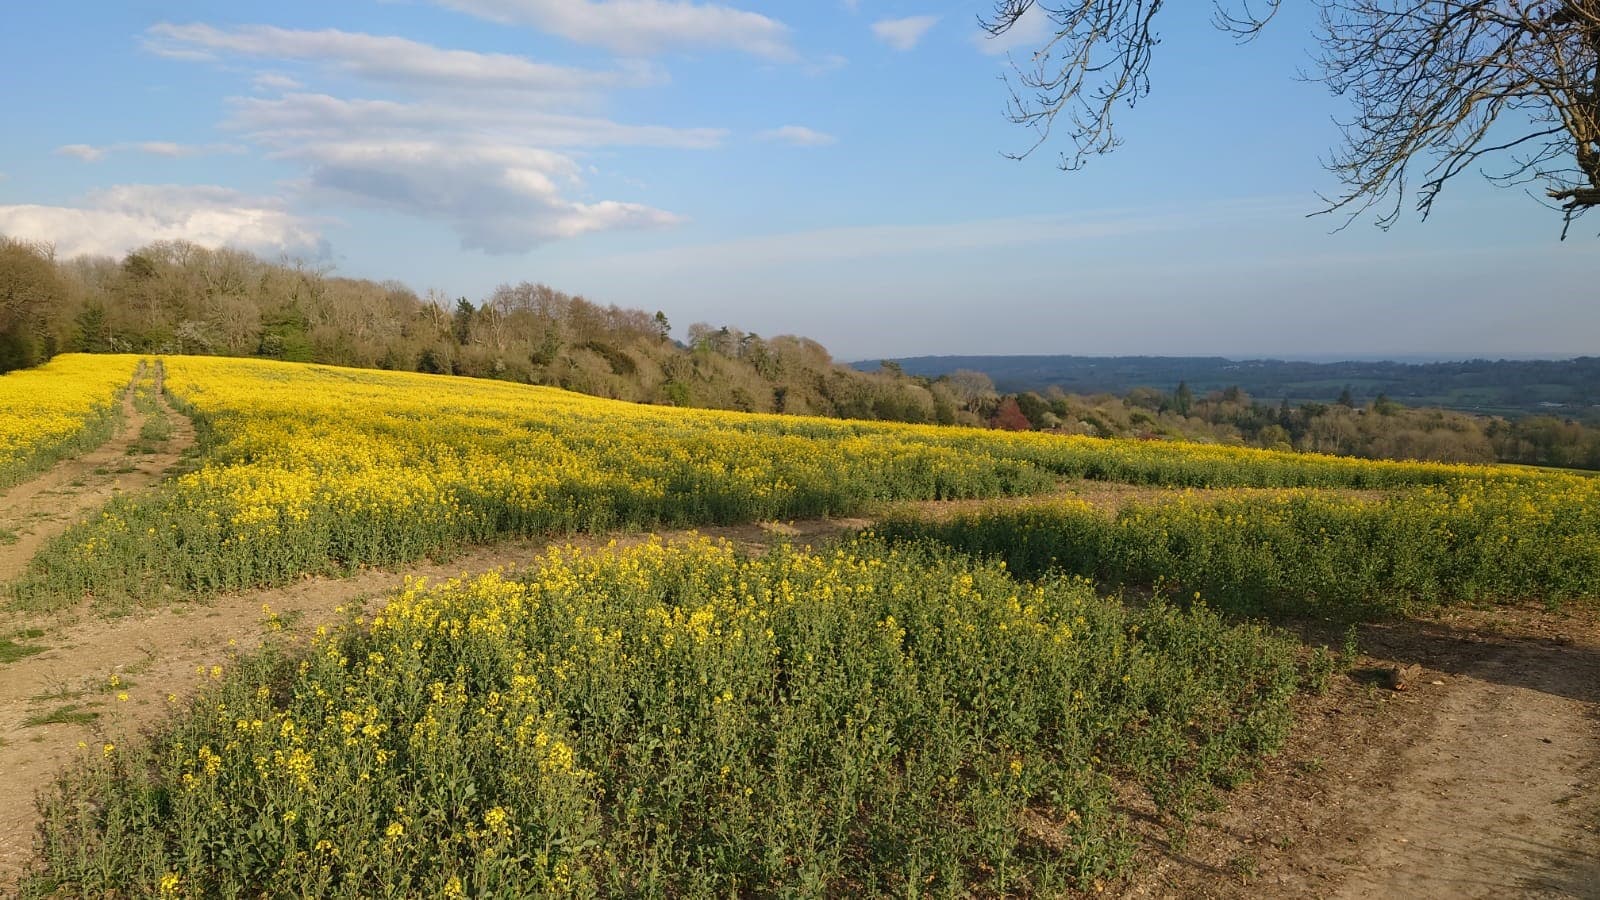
pixel 177 297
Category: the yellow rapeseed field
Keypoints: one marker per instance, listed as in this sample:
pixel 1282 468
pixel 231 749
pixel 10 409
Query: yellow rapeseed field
pixel 316 468
pixel 889 716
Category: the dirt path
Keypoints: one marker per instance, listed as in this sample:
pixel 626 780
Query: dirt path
pixel 1480 781
pixel 1500 796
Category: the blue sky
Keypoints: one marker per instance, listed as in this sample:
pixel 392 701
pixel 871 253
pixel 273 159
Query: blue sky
pixel 832 169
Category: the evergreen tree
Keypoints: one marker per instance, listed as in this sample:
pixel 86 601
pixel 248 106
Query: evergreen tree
pixel 1183 399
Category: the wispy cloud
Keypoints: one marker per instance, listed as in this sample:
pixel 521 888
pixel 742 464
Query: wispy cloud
pixel 641 27
pixel 831 62
pixel 484 142
pixel 295 120
pixel 276 81
pixel 798 135
pixel 183 151
pixel 903 34
pixel 84 152
pixel 168 149
pixel 389 60
pixel 876 241
pixel 500 199
pixel 113 221
pixel 487 172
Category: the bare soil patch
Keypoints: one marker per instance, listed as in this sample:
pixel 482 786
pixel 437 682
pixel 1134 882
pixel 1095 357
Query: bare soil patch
pixel 1481 780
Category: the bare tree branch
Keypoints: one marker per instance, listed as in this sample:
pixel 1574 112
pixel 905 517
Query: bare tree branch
pixel 1436 88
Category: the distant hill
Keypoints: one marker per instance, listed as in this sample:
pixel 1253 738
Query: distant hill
pixel 1502 387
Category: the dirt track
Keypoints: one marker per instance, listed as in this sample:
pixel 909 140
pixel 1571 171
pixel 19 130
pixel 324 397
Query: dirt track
pixel 1483 780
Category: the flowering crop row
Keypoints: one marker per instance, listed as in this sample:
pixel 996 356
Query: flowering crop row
pixel 676 720
pixel 1496 539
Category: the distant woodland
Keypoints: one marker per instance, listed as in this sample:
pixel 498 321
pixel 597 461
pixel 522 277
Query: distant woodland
pixel 1568 387
pixel 174 297
pixel 1378 429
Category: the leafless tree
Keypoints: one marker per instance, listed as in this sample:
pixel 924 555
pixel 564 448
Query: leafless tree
pixel 1437 87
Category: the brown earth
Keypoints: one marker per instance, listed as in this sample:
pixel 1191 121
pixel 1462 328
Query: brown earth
pixel 1480 780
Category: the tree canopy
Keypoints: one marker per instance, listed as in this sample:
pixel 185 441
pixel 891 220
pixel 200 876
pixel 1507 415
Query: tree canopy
pixel 1437 87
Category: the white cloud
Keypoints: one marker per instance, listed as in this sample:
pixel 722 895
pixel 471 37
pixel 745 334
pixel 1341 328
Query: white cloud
pixel 83 152
pixel 389 59
pixel 168 149
pixel 290 122
pixel 641 27
pixel 1028 33
pixel 903 34
pixel 799 136
pixel 500 199
pixel 113 221
pixel 184 151
pixel 276 81
pixel 478 141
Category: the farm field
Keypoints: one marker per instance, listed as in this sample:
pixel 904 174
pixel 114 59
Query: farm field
pixel 918 703
pixel 318 469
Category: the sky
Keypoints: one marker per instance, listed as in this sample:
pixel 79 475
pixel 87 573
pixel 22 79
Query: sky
pixel 839 169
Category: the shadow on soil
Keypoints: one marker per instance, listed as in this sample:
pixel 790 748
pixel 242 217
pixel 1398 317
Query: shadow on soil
pixel 1556 664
